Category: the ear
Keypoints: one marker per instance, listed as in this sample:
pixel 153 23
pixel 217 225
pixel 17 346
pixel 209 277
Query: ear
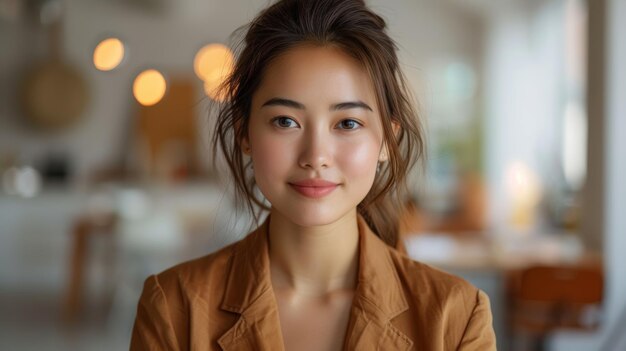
pixel 245 145
pixel 384 152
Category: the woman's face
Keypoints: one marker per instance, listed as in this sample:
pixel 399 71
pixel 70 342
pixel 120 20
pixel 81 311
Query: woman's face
pixel 314 116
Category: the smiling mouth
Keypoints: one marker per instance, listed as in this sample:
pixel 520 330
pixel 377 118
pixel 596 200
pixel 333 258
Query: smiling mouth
pixel 315 192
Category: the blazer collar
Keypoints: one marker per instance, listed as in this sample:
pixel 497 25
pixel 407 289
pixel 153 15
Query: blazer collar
pixel 378 297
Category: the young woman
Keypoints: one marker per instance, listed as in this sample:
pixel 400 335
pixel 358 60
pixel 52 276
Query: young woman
pixel 318 119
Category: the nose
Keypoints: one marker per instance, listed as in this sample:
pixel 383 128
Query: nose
pixel 315 149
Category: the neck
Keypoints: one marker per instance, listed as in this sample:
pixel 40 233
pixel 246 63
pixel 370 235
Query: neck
pixel 313 261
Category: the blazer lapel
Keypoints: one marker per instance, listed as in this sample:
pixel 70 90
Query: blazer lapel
pixel 366 333
pixel 249 293
pixel 258 328
pixel 378 299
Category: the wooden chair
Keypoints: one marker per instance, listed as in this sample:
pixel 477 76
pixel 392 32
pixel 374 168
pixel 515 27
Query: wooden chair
pixel 83 229
pixel 547 298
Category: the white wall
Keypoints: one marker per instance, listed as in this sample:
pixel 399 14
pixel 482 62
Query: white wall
pixel 522 75
pixel 615 193
pixel 616 158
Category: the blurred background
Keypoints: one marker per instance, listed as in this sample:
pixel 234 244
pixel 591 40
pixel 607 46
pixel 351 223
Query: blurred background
pixel 107 176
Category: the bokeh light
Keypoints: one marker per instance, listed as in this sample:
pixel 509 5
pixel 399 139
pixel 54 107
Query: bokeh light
pixel 108 54
pixel 213 63
pixel 211 89
pixel 149 87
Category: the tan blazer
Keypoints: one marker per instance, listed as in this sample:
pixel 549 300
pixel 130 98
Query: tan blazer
pixel 224 301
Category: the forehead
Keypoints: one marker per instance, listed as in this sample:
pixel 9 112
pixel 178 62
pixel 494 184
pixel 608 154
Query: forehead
pixel 312 74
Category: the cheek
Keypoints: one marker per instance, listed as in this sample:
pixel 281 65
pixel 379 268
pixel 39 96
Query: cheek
pixel 271 156
pixel 358 160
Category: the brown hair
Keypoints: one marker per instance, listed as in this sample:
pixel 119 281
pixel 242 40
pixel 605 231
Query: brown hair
pixel 359 32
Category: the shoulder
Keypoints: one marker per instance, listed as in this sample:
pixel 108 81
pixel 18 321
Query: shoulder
pixel 196 278
pixel 455 310
pixel 426 277
pixel 434 287
pixel 165 310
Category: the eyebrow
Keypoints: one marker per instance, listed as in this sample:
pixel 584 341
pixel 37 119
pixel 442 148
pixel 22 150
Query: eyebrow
pixel 336 107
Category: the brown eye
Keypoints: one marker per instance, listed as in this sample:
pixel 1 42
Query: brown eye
pixel 349 124
pixel 284 122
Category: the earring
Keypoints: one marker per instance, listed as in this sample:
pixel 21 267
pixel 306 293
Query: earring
pixel 378 167
pixel 382 158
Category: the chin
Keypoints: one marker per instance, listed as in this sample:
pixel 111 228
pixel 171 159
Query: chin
pixel 311 217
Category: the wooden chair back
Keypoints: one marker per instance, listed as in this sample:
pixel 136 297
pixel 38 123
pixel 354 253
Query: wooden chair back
pixel 557 297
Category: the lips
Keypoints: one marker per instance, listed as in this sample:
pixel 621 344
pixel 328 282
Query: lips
pixel 314 188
